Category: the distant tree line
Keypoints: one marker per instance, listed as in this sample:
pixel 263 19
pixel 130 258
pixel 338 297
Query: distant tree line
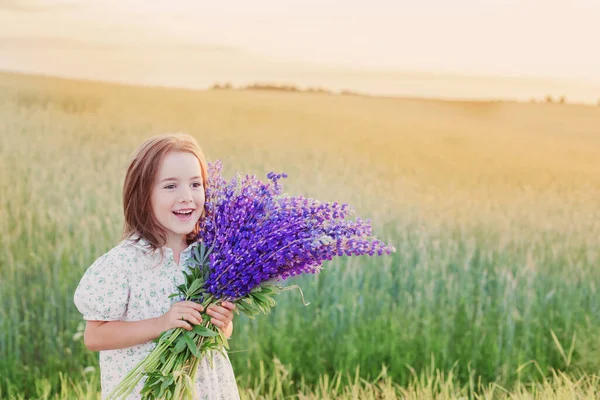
pixel 283 88
pixel 551 100
pixel 548 99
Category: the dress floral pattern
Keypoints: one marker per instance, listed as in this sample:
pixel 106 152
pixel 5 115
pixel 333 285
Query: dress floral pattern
pixel 132 283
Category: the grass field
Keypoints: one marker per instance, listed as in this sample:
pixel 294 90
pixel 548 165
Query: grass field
pixel 493 208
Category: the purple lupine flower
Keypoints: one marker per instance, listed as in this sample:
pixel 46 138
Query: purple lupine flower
pixel 258 235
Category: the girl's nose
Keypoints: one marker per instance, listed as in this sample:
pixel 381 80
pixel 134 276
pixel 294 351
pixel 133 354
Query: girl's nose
pixel 186 196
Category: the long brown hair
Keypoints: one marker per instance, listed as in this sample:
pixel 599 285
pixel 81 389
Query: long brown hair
pixel 139 182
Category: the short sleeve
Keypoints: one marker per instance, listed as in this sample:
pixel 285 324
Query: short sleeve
pixel 103 292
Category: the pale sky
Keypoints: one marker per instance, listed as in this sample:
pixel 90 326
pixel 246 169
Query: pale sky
pixel 525 38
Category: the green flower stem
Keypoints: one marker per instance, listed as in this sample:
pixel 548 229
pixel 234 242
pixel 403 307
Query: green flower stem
pixel 168 366
pixel 149 364
pixel 152 362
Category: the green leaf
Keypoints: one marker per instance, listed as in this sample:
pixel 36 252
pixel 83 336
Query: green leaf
pixel 202 331
pixel 211 249
pixel 197 284
pixel 250 307
pixel 259 297
pixel 165 384
pixel 202 252
pixel 161 393
pixel 180 346
pixel 241 308
pixel 224 340
pixel 191 345
pixel 197 253
pixel 157 340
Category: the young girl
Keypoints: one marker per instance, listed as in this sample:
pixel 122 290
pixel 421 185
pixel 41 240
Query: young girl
pixel 124 294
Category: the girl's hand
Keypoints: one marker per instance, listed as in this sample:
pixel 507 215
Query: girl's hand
pixel 222 316
pixel 181 315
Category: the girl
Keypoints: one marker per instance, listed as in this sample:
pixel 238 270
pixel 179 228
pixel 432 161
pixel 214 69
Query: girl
pixel 124 294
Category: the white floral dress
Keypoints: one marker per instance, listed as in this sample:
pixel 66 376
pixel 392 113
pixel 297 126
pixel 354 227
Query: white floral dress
pixel 132 283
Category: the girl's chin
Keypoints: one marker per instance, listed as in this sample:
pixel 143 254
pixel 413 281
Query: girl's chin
pixel 183 227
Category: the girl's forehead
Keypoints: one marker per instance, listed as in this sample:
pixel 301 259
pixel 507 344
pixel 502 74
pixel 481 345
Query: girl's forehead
pixel 179 163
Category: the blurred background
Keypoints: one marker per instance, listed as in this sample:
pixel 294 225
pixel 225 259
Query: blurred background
pixel 512 49
pixel 469 132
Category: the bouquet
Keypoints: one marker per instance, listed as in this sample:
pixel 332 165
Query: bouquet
pixel 252 237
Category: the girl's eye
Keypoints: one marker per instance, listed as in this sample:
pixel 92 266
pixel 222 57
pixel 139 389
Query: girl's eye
pixel 197 184
pixel 169 186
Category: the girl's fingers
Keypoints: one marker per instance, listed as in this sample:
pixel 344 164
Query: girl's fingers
pixel 189 317
pixel 183 324
pixel 220 310
pixel 221 315
pixel 218 315
pixel 194 313
pixel 229 305
pixel 217 322
pixel 191 304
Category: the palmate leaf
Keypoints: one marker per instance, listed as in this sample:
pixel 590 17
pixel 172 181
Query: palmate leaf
pixel 193 277
pixel 197 254
pixel 194 288
pixel 243 308
pixel 205 272
pixel 263 302
pixel 201 254
pixel 187 279
pixel 248 307
pixel 260 299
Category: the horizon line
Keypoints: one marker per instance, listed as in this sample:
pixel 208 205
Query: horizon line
pixel 328 91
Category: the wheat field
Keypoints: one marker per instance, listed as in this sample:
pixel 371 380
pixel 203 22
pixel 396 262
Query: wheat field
pixel 493 208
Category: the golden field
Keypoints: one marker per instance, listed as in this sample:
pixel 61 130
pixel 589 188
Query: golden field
pixel 493 208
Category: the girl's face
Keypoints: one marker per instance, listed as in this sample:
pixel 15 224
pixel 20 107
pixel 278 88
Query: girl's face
pixel 178 195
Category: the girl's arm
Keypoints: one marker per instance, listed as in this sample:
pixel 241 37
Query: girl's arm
pixel 112 335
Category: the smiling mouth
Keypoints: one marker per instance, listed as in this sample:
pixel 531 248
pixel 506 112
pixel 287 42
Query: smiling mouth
pixel 184 215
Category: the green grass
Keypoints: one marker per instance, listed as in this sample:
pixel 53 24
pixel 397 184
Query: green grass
pixel 492 208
